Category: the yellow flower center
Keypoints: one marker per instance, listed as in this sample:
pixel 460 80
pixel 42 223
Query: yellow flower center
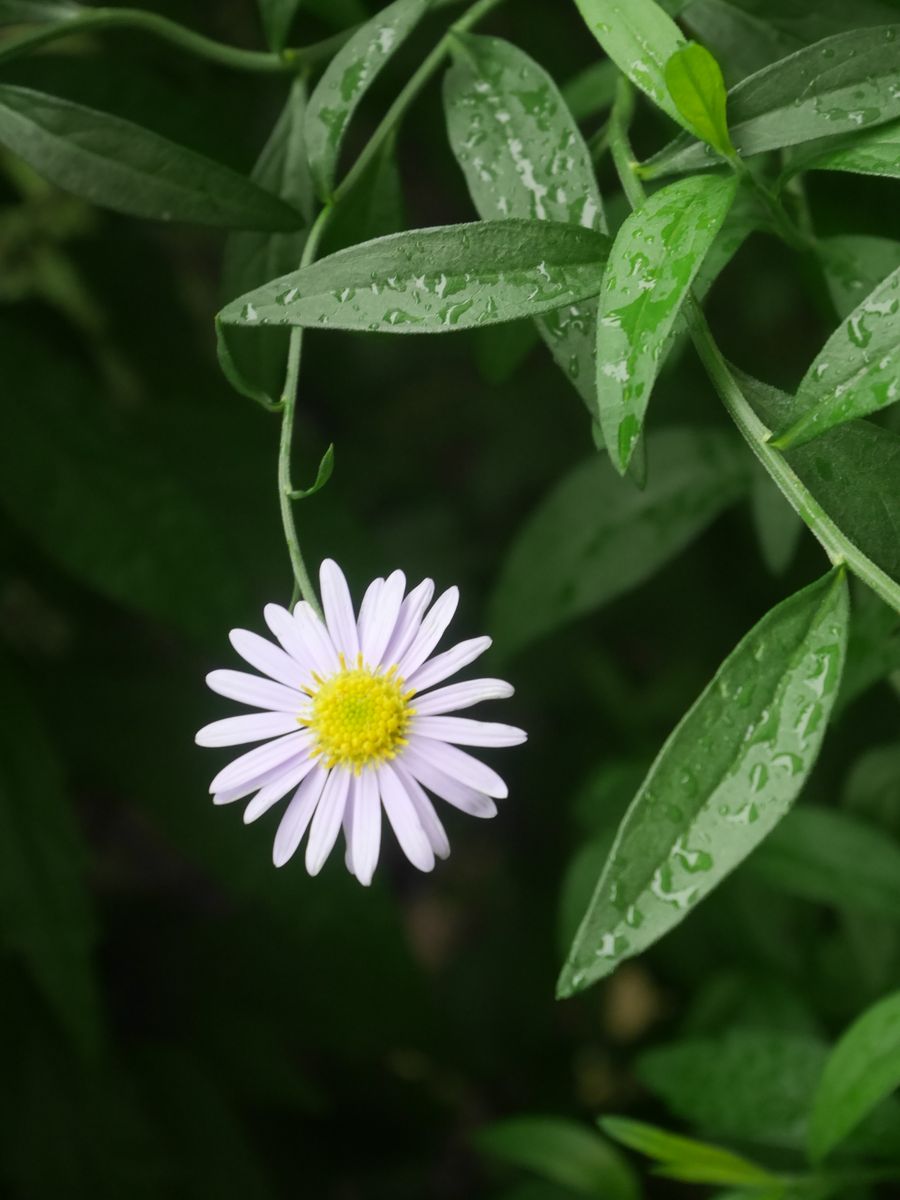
pixel 359 716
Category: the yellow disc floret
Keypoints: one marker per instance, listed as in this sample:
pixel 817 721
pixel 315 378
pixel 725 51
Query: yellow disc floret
pixel 359 716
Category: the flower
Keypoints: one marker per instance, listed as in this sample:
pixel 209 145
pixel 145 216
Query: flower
pixel 351 722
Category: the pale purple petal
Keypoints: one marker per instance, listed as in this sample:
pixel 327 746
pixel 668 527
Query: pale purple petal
pixel 425 811
pixel 347 825
pixel 316 638
pixel 288 632
pixel 254 727
pixel 338 606
pixel 461 695
pixel 297 815
pixel 460 795
pixel 404 820
pixel 327 821
pixel 229 795
pixel 430 632
pixel 408 621
pixel 366 830
pixel 273 791
pixel 461 766
pixel 256 762
pixel 379 626
pixel 442 666
pixel 367 611
pixel 463 732
pixel 255 692
pixel 268 658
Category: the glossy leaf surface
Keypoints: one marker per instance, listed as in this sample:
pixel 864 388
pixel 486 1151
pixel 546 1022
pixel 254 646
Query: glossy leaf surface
pixel 695 83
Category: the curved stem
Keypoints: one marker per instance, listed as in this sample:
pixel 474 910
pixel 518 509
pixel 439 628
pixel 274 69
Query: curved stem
pixel 178 35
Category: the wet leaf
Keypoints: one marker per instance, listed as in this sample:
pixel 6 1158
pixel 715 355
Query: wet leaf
pixel 653 261
pixel 857 371
pixel 524 156
pixel 346 80
pixel 435 280
pixel 640 38
pixel 854 265
pixel 838 85
pixel 863 1069
pixel 876 152
pixel 563 1152
pixel 685 1158
pixel 723 780
pixel 695 83
pixel 594 538
pixel 277 18
pixel 120 165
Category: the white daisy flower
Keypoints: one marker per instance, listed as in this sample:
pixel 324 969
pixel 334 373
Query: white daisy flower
pixel 352 722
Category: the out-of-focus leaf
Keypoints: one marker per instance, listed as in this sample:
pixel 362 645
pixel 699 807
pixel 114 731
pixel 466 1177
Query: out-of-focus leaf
pixel 277 18
pixel 839 85
pixel 854 265
pixel 652 263
pixel 523 156
pixel 778 528
pixel 723 780
pixel 346 80
pixel 563 1152
pixel 591 90
pixel 872 786
pixel 831 857
pixel 640 38
pixel 501 349
pixel 684 1158
pixel 435 280
pixel 856 371
pixel 695 83
pixel 594 538
pixel 873 651
pixel 863 1068
pixel 375 206
pixel 25 12
pixel 45 912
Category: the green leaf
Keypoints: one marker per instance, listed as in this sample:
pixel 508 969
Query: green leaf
pixel 723 780
pixel 523 156
pixel 856 371
pixel 594 538
pixel 876 152
pixel 831 857
pixel 778 528
pixel 120 165
pixel 45 912
pixel 854 265
pixel 863 1069
pixel 591 90
pixel 695 83
pixel 435 280
pixel 640 38
pixel 839 85
pixel 873 651
pixel 653 261
pixel 37 12
pixel 277 18
pixel 323 474
pixel 346 80
pixel 563 1152
pixel 684 1158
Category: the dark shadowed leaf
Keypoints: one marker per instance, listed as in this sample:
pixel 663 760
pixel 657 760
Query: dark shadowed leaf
pixel 778 528
pixel 24 12
pixel 854 265
pixel 277 18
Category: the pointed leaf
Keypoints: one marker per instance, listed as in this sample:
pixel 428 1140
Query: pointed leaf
pixel 652 264
pixel 435 280
pixel 857 372
pixel 864 1067
pixel 523 156
pixel 695 83
pixel 346 80
pixel 726 776
pixel 685 1158
pixel 120 165
pixel 277 18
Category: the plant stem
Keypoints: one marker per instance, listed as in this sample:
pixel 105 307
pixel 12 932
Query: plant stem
pixel 178 35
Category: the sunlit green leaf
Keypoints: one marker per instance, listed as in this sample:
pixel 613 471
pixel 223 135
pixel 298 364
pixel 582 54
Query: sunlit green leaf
pixel 864 1067
pixel 724 779
pixel 594 537
pixel 435 280
pixel 524 156
pixel 120 165
pixel 685 1158
pixel 277 18
pixel 856 371
pixel 640 38
pixel 347 78
pixel 563 1152
pixel 653 261
pixel 695 83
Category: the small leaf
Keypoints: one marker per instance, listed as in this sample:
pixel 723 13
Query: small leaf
pixel 346 80
pixel 685 1158
pixel 523 156
pixel 695 83
pixel 120 165
pixel 723 780
pixel 653 261
pixel 435 280
pixel 326 466
pixel 563 1152
pixel 855 373
pixel 640 38
pixel 277 18
pixel 591 538
pixel 864 1067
